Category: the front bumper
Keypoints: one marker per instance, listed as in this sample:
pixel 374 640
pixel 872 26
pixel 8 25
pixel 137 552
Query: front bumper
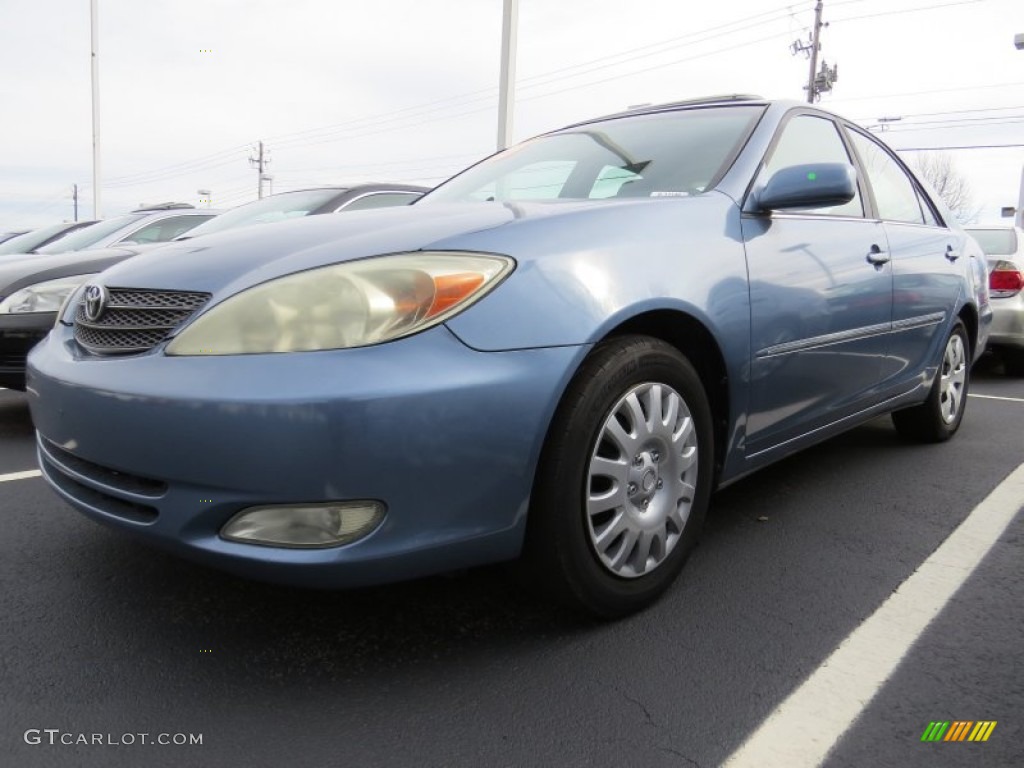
pixel 18 334
pixel 170 448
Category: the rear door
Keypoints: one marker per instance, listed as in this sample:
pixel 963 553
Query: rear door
pixel 926 254
pixel 821 299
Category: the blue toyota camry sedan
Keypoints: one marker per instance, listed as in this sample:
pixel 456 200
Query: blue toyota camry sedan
pixel 556 356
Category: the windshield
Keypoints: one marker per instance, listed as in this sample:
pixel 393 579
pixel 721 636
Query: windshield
pixel 83 238
pixel 996 242
pixel 669 154
pixel 30 240
pixel 286 205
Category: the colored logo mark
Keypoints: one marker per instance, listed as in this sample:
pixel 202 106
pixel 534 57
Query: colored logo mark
pixel 812 176
pixel 958 730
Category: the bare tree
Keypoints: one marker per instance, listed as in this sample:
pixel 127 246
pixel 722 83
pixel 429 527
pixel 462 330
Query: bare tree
pixel 937 169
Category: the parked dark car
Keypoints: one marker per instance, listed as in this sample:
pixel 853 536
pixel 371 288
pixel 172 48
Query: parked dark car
pixel 32 290
pixel 556 355
pixel 37 238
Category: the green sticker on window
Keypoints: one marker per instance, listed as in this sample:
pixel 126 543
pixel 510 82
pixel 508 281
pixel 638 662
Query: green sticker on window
pixel 812 176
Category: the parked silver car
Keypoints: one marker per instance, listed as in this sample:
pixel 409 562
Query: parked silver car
pixel 155 224
pixel 1004 247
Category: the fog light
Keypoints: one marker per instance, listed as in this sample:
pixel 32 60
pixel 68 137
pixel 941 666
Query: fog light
pixel 305 525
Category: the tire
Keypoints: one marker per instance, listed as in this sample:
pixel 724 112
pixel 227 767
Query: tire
pixel 1013 362
pixel 938 418
pixel 627 468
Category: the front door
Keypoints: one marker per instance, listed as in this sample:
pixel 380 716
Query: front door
pixel 821 301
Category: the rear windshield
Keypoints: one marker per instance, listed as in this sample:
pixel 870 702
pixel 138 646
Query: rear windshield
pixel 286 205
pixel 996 242
pixel 83 238
pixel 667 154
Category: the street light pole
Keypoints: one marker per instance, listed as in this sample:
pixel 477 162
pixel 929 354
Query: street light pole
pixel 506 84
pixel 95 40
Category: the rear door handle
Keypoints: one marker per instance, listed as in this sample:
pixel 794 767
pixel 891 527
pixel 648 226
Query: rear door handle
pixel 951 254
pixel 877 256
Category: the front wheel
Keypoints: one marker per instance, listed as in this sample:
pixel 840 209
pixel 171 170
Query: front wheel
pixel 624 479
pixel 938 418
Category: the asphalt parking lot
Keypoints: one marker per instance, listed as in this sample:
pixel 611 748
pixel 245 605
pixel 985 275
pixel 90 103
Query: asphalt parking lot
pixel 102 636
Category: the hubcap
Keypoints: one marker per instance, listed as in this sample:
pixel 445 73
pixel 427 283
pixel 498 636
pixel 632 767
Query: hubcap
pixel 641 480
pixel 952 379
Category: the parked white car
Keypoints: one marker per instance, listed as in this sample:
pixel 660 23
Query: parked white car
pixel 1004 247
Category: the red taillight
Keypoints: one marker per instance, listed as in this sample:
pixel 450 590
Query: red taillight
pixel 1004 280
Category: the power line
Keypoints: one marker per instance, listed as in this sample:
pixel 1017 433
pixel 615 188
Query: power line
pixel 947 112
pixel 911 128
pixel 961 146
pixel 908 10
pixel 535 81
pixel 936 90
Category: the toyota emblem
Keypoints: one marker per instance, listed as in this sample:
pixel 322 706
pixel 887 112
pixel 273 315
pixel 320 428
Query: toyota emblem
pixel 95 301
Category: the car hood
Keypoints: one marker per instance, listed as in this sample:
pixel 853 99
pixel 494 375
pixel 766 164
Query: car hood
pixel 228 262
pixel 18 271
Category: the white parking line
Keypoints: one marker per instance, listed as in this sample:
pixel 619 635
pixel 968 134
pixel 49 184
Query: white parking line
pixel 804 727
pixel 20 475
pixel 994 397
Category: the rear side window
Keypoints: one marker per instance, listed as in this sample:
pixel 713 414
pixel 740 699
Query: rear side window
pixel 809 140
pixel 896 195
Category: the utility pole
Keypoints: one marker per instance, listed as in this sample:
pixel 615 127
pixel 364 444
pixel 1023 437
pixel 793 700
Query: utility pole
pixel 95 40
pixel 260 161
pixel 815 47
pixel 74 196
pixel 507 78
pixel 821 81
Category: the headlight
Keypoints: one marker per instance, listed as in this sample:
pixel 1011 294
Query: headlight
pixel 354 304
pixel 47 296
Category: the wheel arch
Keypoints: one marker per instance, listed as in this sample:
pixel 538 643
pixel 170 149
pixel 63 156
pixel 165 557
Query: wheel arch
pixel 969 316
pixel 693 339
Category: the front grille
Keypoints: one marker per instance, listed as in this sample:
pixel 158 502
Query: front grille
pixel 135 320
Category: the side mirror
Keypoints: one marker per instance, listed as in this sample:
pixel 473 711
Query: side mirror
pixel 809 186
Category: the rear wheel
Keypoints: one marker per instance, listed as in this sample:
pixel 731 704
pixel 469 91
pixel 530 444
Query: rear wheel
pixel 938 418
pixel 624 479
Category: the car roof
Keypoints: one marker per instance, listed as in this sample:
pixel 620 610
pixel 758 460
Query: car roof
pixel 704 101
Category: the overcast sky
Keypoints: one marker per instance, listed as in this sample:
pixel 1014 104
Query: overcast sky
pixel 406 90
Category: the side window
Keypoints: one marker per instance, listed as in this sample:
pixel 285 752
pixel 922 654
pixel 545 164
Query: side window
pixel 895 194
pixel 380 200
pixel 807 139
pixel 165 229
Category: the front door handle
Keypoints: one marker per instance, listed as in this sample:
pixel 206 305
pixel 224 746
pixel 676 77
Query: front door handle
pixel 951 254
pixel 877 256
